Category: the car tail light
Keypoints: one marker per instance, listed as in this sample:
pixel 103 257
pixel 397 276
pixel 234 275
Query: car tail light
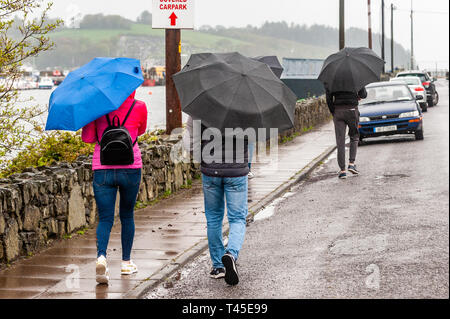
pixel 426 84
pixel 419 89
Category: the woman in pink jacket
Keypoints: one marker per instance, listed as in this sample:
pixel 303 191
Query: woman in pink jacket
pixel 110 179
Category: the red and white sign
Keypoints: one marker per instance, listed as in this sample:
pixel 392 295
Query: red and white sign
pixel 173 14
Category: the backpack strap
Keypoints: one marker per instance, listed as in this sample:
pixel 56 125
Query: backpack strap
pixel 108 119
pixel 126 118
pixel 124 121
pixel 129 112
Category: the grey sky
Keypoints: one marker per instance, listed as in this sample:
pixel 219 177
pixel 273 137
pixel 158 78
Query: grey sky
pixel 431 28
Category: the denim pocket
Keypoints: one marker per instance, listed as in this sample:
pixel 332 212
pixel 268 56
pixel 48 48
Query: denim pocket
pixel 236 184
pixel 133 176
pixel 100 178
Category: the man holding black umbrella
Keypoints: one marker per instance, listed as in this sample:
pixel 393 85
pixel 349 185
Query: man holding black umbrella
pixel 344 107
pixel 234 100
pixel 345 75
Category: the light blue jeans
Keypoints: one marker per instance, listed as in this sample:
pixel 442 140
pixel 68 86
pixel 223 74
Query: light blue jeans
pixel 235 191
pixel 251 151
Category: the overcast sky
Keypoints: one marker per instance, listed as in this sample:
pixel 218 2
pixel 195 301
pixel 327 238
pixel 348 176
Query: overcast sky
pixel 431 28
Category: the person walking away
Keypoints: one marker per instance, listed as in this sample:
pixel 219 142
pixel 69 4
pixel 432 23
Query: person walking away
pixel 344 107
pixel 251 151
pixel 116 172
pixel 224 182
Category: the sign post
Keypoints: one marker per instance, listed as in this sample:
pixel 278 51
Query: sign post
pixel 173 15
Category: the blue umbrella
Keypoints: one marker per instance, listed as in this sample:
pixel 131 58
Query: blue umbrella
pixel 94 90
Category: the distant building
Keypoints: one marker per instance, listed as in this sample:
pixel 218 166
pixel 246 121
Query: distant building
pixel 300 75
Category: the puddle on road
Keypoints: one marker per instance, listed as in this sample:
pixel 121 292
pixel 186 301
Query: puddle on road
pixel 388 176
pixel 265 213
pixel 171 253
pixel 360 245
pixel 269 211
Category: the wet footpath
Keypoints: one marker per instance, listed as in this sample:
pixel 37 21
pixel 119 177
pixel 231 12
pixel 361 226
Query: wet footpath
pixel 168 235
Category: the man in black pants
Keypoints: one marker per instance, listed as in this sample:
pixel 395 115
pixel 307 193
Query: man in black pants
pixel 344 107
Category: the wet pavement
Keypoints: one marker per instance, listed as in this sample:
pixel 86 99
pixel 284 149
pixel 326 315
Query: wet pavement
pixel 383 234
pixel 164 232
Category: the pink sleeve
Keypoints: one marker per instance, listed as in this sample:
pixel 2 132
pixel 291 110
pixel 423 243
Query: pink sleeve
pixel 144 115
pixel 89 133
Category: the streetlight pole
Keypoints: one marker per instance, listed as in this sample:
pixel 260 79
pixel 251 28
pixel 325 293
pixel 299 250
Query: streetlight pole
pixel 412 36
pixel 392 37
pixel 341 24
pixel 382 34
pixel 370 24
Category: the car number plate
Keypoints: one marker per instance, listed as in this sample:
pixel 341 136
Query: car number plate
pixel 385 129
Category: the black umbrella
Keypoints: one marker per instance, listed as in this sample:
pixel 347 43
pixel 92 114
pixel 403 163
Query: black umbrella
pixel 273 63
pixel 230 90
pixel 351 69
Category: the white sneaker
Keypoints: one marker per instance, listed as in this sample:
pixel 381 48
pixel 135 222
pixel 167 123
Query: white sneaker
pixel 101 271
pixel 129 268
pixel 251 175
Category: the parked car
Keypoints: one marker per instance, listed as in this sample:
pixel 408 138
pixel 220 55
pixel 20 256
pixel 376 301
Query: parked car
pixel 416 87
pixel 46 83
pixel 427 82
pixel 390 108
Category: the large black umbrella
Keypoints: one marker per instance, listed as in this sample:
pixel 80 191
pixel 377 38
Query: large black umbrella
pixel 351 69
pixel 273 63
pixel 229 90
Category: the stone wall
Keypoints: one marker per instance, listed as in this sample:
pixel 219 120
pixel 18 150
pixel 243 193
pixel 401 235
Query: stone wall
pixel 308 114
pixel 47 203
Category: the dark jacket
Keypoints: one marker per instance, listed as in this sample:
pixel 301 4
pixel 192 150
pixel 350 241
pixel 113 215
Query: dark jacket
pixel 215 165
pixel 344 99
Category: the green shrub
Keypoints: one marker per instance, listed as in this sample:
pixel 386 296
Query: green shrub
pixel 48 150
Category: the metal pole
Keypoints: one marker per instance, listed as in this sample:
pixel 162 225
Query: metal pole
pixel 392 37
pixel 370 24
pixel 382 34
pixel 173 65
pixel 412 36
pixel 341 24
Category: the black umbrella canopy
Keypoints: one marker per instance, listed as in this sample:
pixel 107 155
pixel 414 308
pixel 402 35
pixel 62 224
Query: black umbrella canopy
pixel 273 63
pixel 229 90
pixel 351 69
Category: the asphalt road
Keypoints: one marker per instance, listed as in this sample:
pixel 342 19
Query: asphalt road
pixel 383 234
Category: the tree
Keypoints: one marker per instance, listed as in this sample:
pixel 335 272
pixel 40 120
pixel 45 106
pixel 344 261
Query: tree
pixel 100 21
pixel 145 18
pixel 19 42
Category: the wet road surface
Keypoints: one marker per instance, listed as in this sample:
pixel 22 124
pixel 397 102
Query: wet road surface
pixel 383 234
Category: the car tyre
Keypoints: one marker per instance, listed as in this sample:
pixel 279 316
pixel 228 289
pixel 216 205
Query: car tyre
pixel 424 107
pixel 436 98
pixel 419 135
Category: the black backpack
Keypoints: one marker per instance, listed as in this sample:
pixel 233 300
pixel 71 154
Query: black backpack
pixel 116 145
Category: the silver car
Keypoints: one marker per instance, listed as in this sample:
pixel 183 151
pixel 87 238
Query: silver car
pixel 415 85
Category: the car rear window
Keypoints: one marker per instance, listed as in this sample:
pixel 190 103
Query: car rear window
pixel 408 80
pixel 422 76
pixel 387 93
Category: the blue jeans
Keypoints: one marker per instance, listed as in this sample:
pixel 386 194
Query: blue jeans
pixel 106 184
pixel 235 191
pixel 251 151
